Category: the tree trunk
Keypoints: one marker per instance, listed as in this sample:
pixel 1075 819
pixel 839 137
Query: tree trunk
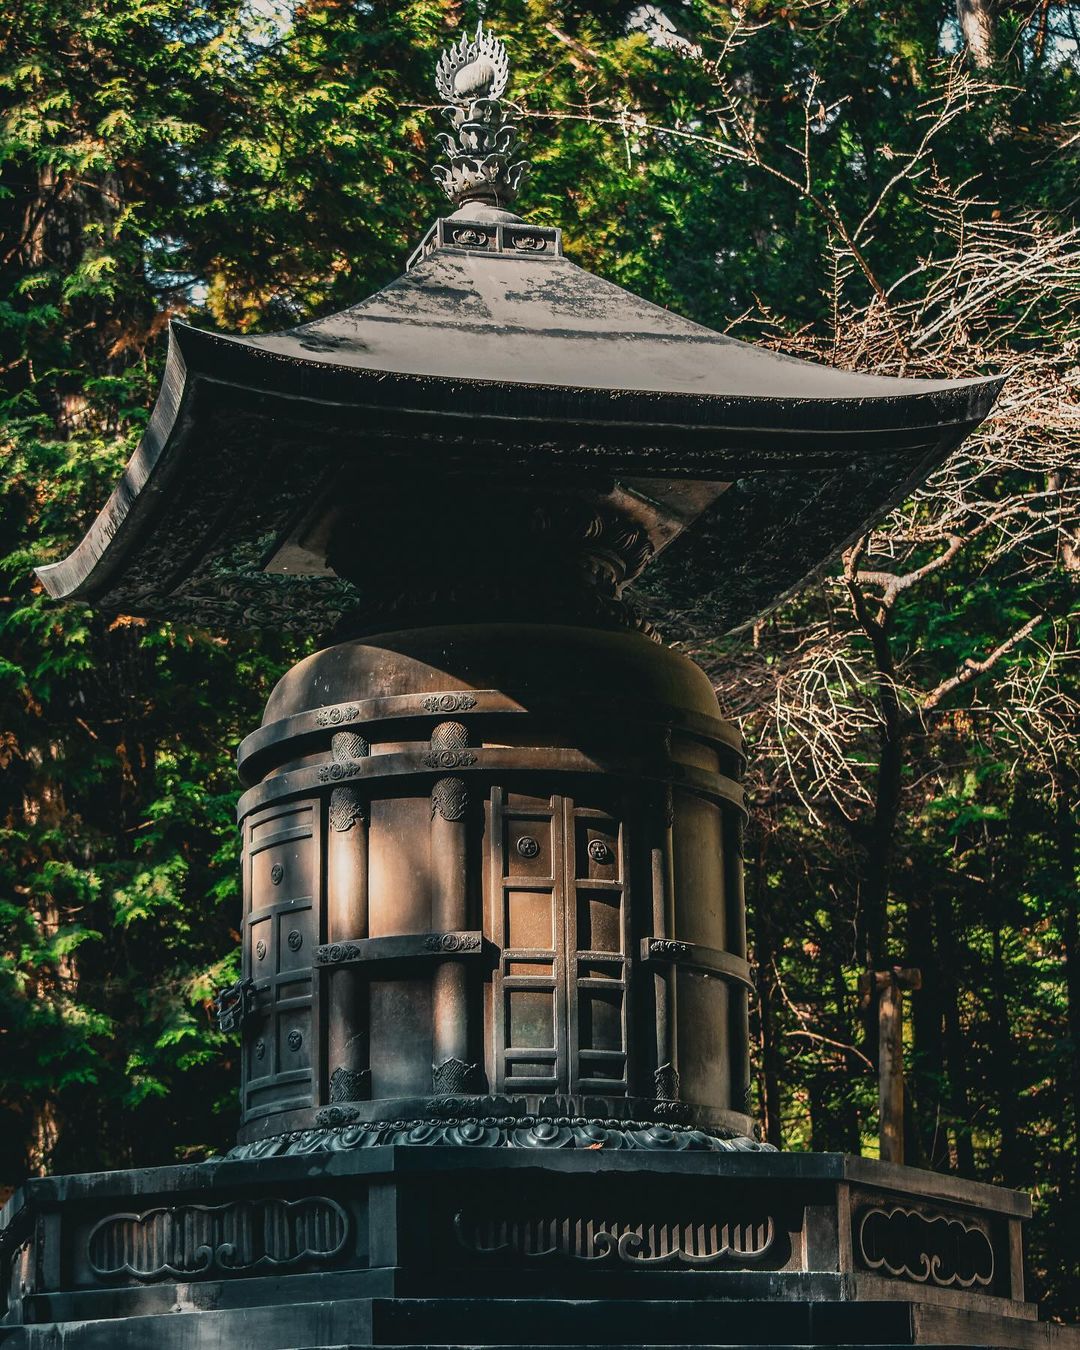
pixel 976 19
pixel 878 838
pixel 926 1143
pixel 850 1133
pixel 956 1048
pixel 1004 1076
pixel 1070 935
pixel 765 950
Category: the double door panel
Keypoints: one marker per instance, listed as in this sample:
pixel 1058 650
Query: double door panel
pixel 561 923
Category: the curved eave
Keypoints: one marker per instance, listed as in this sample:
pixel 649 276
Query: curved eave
pixel 536 406
pixel 646 433
pixel 82 574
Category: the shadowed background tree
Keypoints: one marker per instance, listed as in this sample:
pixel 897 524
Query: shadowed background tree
pixel 888 187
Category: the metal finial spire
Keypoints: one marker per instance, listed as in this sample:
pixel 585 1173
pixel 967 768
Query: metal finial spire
pixel 472 76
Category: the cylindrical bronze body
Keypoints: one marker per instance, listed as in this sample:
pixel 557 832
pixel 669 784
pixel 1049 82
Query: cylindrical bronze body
pixel 492 871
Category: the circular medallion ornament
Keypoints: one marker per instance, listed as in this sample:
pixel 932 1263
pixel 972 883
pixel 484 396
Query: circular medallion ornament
pixel 599 851
pixel 527 846
pixel 295 939
pixel 295 1040
pixel 277 872
pixel 260 1049
pixel 260 949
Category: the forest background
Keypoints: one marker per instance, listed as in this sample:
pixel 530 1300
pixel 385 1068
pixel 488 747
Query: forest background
pixel 892 187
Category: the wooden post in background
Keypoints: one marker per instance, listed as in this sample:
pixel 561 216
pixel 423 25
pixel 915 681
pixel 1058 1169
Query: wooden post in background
pixel 887 986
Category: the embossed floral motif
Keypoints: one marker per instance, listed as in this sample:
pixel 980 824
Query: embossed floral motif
pixel 454 701
pixel 296 1040
pixel 277 874
pixel 333 953
pixel 449 759
pixel 295 939
pixel 599 851
pixel 333 773
pixel 333 717
pixel 527 846
pixel 668 947
pixel 452 942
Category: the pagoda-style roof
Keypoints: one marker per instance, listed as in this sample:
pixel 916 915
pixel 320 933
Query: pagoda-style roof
pixel 496 356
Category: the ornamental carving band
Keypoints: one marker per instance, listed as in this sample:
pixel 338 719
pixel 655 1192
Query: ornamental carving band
pixel 449 759
pixel 939 1249
pixel 332 773
pixel 452 942
pixel 668 947
pixel 332 717
pixel 334 953
pixel 194 1240
pixel 645 1244
pixel 448 703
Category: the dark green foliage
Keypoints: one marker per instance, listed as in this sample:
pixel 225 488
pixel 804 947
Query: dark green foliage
pixel 160 158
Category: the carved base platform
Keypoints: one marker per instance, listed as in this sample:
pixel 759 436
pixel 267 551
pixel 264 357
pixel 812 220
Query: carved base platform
pixel 454 1246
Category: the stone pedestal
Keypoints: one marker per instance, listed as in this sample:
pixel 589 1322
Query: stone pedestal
pixel 662 1241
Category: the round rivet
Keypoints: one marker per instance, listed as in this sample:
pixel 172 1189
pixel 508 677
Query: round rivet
pixel 527 846
pixel 276 874
pixel 295 939
pixel 260 1049
pixel 599 851
pixel 295 1040
pixel 260 949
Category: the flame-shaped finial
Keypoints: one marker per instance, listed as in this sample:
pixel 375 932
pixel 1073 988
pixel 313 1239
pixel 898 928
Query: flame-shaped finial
pixel 475 67
pixel 472 76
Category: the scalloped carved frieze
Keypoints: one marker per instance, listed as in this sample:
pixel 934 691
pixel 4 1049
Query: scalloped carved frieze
pixel 190 1241
pixel 924 1247
pixel 646 1245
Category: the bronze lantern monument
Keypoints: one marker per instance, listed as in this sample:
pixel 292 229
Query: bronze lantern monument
pixel 495 982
